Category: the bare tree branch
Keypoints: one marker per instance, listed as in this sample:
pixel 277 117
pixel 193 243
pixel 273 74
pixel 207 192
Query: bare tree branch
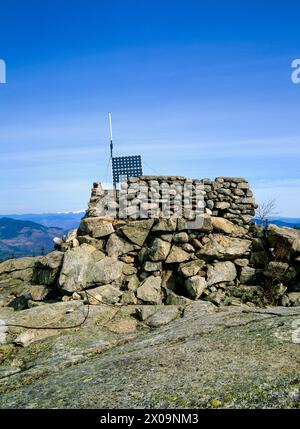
pixel 266 209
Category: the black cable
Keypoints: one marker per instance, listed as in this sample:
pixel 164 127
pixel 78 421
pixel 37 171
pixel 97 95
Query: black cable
pixel 15 325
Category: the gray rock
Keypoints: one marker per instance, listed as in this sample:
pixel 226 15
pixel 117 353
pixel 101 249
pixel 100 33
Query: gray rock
pixel 145 311
pixel 97 227
pixel 187 247
pixel 159 250
pixel 216 298
pixel 174 299
pixel 19 264
pixel 26 338
pixel 222 205
pixel 133 282
pixel 128 269
pixel 221 272
pixel 20 302
pixel 150 290
pixel 58 241
pixel 195 286
pixel 70 236
pixel 20 269
pixel 280 271
pixel 137 231
pixel 243 185
pixel 168 279
pixel 164 316
pixel 248 275
pixel 189 351
pixel 99 244
pixel 205 224
pixel 115 246
pixel 294 299
pixel 225 226
pixel 38 292
pixel 224 247
pixel 128 298
pixel 165 225
pixel 47 268
pixel 181 237
pixel 105 271
pixel 177 255
pixel 241 262
pixel 167 237
pixel 151 266
pixel 192 268
pixel 288 238
pixel 76 268
pixel 107 294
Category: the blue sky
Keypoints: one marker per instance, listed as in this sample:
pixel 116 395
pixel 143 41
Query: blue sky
pixel 201 89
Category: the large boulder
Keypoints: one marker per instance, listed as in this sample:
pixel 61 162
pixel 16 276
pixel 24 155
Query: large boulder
pixel 221 272
pixel 226 227
pixel 150 290
pixel 105 271
pixel 195 286
pixel 137 231
pixel 223 247
pixel 96 227
pixel 76 267
pixel 21 268
pixel 47 268
pixel 284 238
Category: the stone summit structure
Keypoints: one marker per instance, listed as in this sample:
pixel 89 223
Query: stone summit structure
pixel 188 303
pixel 167 240
pixel 175 196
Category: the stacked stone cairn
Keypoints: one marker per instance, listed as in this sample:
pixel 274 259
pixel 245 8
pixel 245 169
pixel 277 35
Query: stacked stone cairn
pixel 135 246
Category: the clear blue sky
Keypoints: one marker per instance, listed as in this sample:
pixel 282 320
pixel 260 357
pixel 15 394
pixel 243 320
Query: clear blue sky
pixel 199 88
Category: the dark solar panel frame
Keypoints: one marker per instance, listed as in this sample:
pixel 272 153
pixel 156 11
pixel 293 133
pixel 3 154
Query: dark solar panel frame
pixel 128 166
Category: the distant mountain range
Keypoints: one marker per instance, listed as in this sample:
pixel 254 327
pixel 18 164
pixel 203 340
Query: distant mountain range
pixel 283 221
pixel 31 234
pixel 66 221
pixel 25 238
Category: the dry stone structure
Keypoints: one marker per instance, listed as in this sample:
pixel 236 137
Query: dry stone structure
pixel 155 254
pixel 175 196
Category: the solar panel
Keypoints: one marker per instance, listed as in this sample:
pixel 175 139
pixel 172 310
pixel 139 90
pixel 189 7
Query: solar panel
pixel 126 166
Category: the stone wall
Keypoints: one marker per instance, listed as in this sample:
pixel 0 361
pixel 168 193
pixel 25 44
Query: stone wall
pixel 175 196
pixel 226 260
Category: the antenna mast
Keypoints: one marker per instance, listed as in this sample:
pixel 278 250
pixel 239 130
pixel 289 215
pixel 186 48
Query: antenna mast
pixel 111 136
pixel 111 146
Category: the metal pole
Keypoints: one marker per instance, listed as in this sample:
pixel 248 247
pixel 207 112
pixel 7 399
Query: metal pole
pixel 111 136
pixel 111 148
